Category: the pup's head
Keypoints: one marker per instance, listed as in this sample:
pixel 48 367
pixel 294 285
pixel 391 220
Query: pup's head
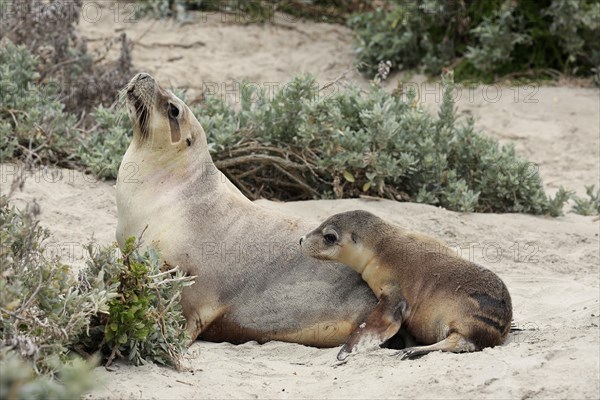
pixel 342 237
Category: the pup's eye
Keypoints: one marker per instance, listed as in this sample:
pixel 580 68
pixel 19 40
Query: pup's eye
pixel 329 238
pixel 188 141
pixel 173 111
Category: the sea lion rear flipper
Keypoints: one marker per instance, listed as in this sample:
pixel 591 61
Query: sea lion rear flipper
pixel 455 343
pixel 383 323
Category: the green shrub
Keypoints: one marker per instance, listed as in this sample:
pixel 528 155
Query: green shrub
pixel 42 313
pixel 256 11
pixel 35 128
pixel 102 149
pixel 482 40
pixel 48 29
pixel 576 24
pixel 496 37
pixel 159 8
pixel 19 381
pixel 382 37
pixel 33 124
pixel 124 306
pixel 50 85
pixel 301 144
pixel 43 310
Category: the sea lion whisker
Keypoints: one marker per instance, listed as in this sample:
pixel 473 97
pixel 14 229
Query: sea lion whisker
pixel 141 116
pixel 120 106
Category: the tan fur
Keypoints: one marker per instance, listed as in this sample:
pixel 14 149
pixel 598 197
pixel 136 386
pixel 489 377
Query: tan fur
pixel 252 281
pixel 445 301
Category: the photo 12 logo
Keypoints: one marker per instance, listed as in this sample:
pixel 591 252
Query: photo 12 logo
pixel 10 172
pixel 426 92
pixel 235 92
pixel 70 11
pixel 53 90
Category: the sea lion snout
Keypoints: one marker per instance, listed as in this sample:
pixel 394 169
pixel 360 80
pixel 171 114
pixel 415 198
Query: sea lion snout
pixel 141 83
pixel 148 104
pixel 139 78
pixel 142 76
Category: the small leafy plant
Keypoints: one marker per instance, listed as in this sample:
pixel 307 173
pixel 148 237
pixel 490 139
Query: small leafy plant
pixel 144 321
pixel 589 205
pixel 51 86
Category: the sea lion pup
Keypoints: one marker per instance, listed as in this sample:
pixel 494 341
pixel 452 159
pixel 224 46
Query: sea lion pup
pixel 444 301
pixel 252 280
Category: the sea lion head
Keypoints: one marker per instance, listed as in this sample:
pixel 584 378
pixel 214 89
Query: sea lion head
pixel 342 237
pixel 161 121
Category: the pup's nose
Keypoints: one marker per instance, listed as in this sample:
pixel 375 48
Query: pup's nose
pixel 301 240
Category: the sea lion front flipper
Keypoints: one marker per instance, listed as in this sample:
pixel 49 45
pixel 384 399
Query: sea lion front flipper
pixel 383 323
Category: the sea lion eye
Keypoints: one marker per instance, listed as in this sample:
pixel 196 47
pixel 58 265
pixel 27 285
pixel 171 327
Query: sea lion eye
pixel 329 238
pixel 173 111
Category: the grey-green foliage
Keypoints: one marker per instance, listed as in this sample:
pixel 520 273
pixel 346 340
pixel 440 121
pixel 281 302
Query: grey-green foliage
pixel 19 381
pixel 33 124
pixel 42 313
pixel 482 40
pixel 103 148
pixel 42 308
pixel 155 8
pixel 35 128
pixel 346 143
pixel 398 39
pixel 557 202
pixel 576 23
pixel 589 205
pixel 48 29
pixel 496 37
pixel 354 143
pixel 255 11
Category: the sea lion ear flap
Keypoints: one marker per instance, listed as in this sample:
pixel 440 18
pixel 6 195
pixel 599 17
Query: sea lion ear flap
pixel 175 132
pixel 354 237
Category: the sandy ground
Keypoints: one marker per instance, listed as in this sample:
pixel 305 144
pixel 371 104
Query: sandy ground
pixel 550 265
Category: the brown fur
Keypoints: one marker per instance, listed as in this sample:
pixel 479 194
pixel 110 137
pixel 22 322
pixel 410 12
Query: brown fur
pixel 443 300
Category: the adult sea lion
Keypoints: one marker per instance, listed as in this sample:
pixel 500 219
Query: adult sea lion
pixel 253 282
pixel 444 301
